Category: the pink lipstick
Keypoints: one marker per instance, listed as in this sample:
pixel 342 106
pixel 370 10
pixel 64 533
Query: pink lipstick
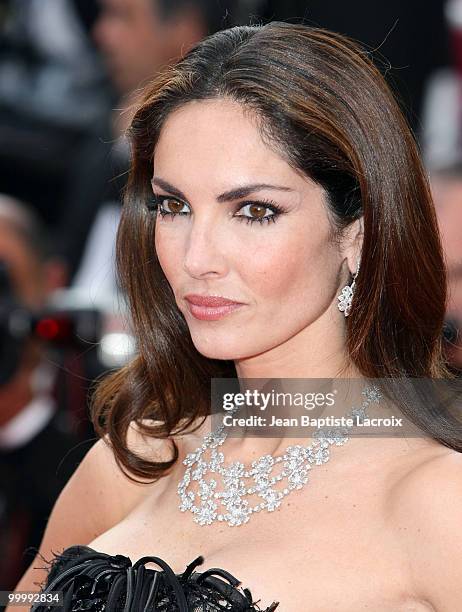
pixel 210 307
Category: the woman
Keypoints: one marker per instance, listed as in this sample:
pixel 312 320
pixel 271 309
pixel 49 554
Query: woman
pixel 267 165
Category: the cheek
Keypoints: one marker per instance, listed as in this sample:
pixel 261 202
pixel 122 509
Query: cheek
pixel 169 253
pixel 292 270
pixel 455 296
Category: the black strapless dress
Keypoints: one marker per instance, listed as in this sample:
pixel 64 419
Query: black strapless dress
pixel 96 582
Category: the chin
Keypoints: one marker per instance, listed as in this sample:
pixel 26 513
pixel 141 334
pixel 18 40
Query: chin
pixel 217 352
pixel 232 348
pixel 219 348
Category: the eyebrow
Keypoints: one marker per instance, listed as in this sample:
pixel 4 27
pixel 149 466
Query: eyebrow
pixel 227 196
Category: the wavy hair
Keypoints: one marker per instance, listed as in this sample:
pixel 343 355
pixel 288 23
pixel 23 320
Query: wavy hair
pixel 321 100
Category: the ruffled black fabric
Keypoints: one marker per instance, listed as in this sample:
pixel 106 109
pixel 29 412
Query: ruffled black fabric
pixel 97 582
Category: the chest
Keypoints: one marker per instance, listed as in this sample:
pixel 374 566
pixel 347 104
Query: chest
pixel 334 552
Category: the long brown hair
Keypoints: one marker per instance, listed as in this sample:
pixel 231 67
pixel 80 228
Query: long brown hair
pixel 327 108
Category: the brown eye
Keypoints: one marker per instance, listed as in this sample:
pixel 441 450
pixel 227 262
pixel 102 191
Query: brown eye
pixel 170 207
pixel 257 210
pixel 174 206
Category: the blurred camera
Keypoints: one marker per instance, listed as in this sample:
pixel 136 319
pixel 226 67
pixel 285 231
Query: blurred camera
pixel 61 328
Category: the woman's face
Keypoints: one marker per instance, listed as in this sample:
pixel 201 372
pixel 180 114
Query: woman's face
pixel 253 230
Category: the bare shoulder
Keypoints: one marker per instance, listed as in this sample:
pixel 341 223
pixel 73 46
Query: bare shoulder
pixel 148 447
pixel 426 514
pixel 97 497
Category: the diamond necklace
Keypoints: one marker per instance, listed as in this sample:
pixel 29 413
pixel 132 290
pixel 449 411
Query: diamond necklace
pixel 297 461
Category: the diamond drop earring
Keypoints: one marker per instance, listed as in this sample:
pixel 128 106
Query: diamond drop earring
pixel 346 296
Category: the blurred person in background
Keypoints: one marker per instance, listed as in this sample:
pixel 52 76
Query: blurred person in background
pixel 441 131
pixel 441 140
pixel 53 92
pixel 34 433
pixel 138 38
pixel 447 193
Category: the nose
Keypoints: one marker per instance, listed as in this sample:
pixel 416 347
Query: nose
pixel 205 251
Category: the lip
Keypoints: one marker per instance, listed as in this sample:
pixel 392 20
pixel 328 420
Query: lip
pixel 209 301
pixel 210 307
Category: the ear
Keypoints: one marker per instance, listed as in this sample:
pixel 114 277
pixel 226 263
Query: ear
pixel 352 243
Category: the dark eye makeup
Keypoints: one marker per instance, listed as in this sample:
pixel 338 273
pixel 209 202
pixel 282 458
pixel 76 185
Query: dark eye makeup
pixel 158 202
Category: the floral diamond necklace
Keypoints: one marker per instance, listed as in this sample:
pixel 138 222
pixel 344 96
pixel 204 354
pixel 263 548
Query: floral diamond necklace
pixel 296 461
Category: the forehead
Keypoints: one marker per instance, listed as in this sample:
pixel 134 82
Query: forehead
pixel 216 139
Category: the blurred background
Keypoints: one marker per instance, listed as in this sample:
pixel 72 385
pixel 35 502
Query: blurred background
pixel 69 72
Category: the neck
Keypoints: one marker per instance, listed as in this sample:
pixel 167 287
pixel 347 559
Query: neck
pixel 282 403
pixel 317 351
